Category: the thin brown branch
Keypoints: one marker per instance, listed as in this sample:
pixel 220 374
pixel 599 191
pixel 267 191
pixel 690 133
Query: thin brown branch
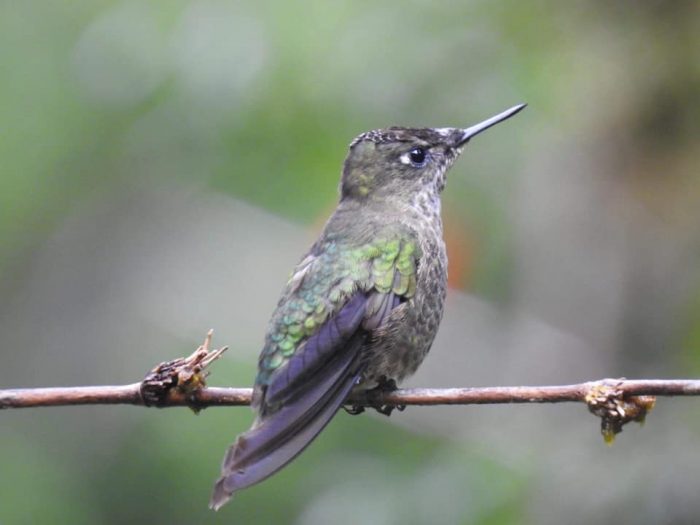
pixel 216 396
pixel 182 382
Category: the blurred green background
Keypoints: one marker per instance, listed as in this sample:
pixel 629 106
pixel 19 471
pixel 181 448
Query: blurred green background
pixel 163 164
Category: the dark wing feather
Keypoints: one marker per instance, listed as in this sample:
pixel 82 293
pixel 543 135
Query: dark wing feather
pixel 278 436
pixel 266 448
pixel 317 350
pixel 298 394
pixel 379 308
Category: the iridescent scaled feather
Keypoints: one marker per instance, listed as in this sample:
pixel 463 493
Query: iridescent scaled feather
pixel 321 284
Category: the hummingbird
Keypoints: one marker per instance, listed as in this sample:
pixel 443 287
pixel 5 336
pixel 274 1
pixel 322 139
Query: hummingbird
pixel 361 309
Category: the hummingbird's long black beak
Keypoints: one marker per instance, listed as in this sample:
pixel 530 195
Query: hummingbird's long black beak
pixel 486 124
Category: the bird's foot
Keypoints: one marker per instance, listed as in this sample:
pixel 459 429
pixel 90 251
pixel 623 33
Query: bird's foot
pixel 354 410
pixel 385 385
pixel 373 399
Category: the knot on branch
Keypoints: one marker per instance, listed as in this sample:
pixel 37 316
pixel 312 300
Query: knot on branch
pixel 183 376
pixel 607 400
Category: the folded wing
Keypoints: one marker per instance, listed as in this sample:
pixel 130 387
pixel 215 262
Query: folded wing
pixel 314 355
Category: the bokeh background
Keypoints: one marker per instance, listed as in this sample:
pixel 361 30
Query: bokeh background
pixel 163 164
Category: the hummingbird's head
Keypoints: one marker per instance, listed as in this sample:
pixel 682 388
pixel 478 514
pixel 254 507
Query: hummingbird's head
pixel 403 161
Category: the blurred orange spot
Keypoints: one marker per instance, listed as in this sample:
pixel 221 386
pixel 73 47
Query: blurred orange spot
pixel 461 252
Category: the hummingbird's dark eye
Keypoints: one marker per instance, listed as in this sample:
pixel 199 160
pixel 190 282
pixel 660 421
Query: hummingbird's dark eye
pixel 417 156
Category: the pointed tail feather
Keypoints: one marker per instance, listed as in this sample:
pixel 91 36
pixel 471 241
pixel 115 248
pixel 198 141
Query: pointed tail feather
pixel 279 437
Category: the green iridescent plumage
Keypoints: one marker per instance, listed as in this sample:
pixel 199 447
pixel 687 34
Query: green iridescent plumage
pixel 322 283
